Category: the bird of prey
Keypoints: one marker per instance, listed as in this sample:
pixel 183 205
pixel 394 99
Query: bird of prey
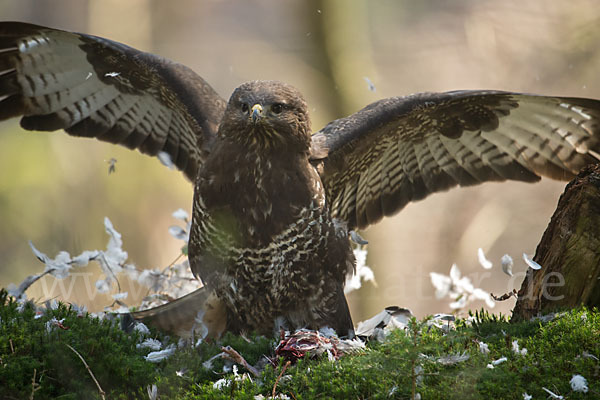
pixel 274 202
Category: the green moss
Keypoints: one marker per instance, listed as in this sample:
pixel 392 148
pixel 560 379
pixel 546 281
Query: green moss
pixel 382 370
pixel 27 345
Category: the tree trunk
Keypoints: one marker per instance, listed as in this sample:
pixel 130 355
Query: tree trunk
pixel 569 253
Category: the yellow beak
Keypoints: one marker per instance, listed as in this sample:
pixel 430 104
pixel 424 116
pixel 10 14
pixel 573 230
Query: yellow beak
pixel 256 112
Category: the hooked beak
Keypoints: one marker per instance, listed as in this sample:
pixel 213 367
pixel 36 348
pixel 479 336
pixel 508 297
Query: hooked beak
pixel 256 112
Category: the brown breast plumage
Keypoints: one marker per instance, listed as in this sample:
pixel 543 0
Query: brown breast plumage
pixel 261 235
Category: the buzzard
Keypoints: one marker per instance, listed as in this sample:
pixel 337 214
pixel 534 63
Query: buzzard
pixel 274 202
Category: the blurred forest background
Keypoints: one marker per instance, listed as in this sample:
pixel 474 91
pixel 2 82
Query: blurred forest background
pixel 55 190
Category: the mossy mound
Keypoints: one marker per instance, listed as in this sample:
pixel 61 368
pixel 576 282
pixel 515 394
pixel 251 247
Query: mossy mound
pixel 423 358
pixel 37 346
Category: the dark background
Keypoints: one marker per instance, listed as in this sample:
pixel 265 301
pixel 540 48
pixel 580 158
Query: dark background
pixel 55 190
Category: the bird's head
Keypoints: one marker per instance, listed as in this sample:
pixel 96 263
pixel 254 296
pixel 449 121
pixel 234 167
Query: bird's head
pixel 267 114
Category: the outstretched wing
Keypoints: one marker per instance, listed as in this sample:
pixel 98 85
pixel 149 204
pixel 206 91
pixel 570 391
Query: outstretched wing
pixel 402 149
pixel 95 87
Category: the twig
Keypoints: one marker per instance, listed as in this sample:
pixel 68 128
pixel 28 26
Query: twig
pixel 111 271
pixel 172 263
pixel 505 296
pixel 34 386
pixel 163 273
pixel 89 370
pixel 12 349
pixel 245 338
pixel 287 364
pixel 231 354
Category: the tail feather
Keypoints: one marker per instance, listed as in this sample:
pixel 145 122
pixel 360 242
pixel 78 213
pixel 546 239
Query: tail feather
pixel 179 316
pixel 342 319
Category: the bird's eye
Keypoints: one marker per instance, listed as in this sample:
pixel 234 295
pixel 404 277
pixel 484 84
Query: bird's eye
pixel 277 108
pixel 245 107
